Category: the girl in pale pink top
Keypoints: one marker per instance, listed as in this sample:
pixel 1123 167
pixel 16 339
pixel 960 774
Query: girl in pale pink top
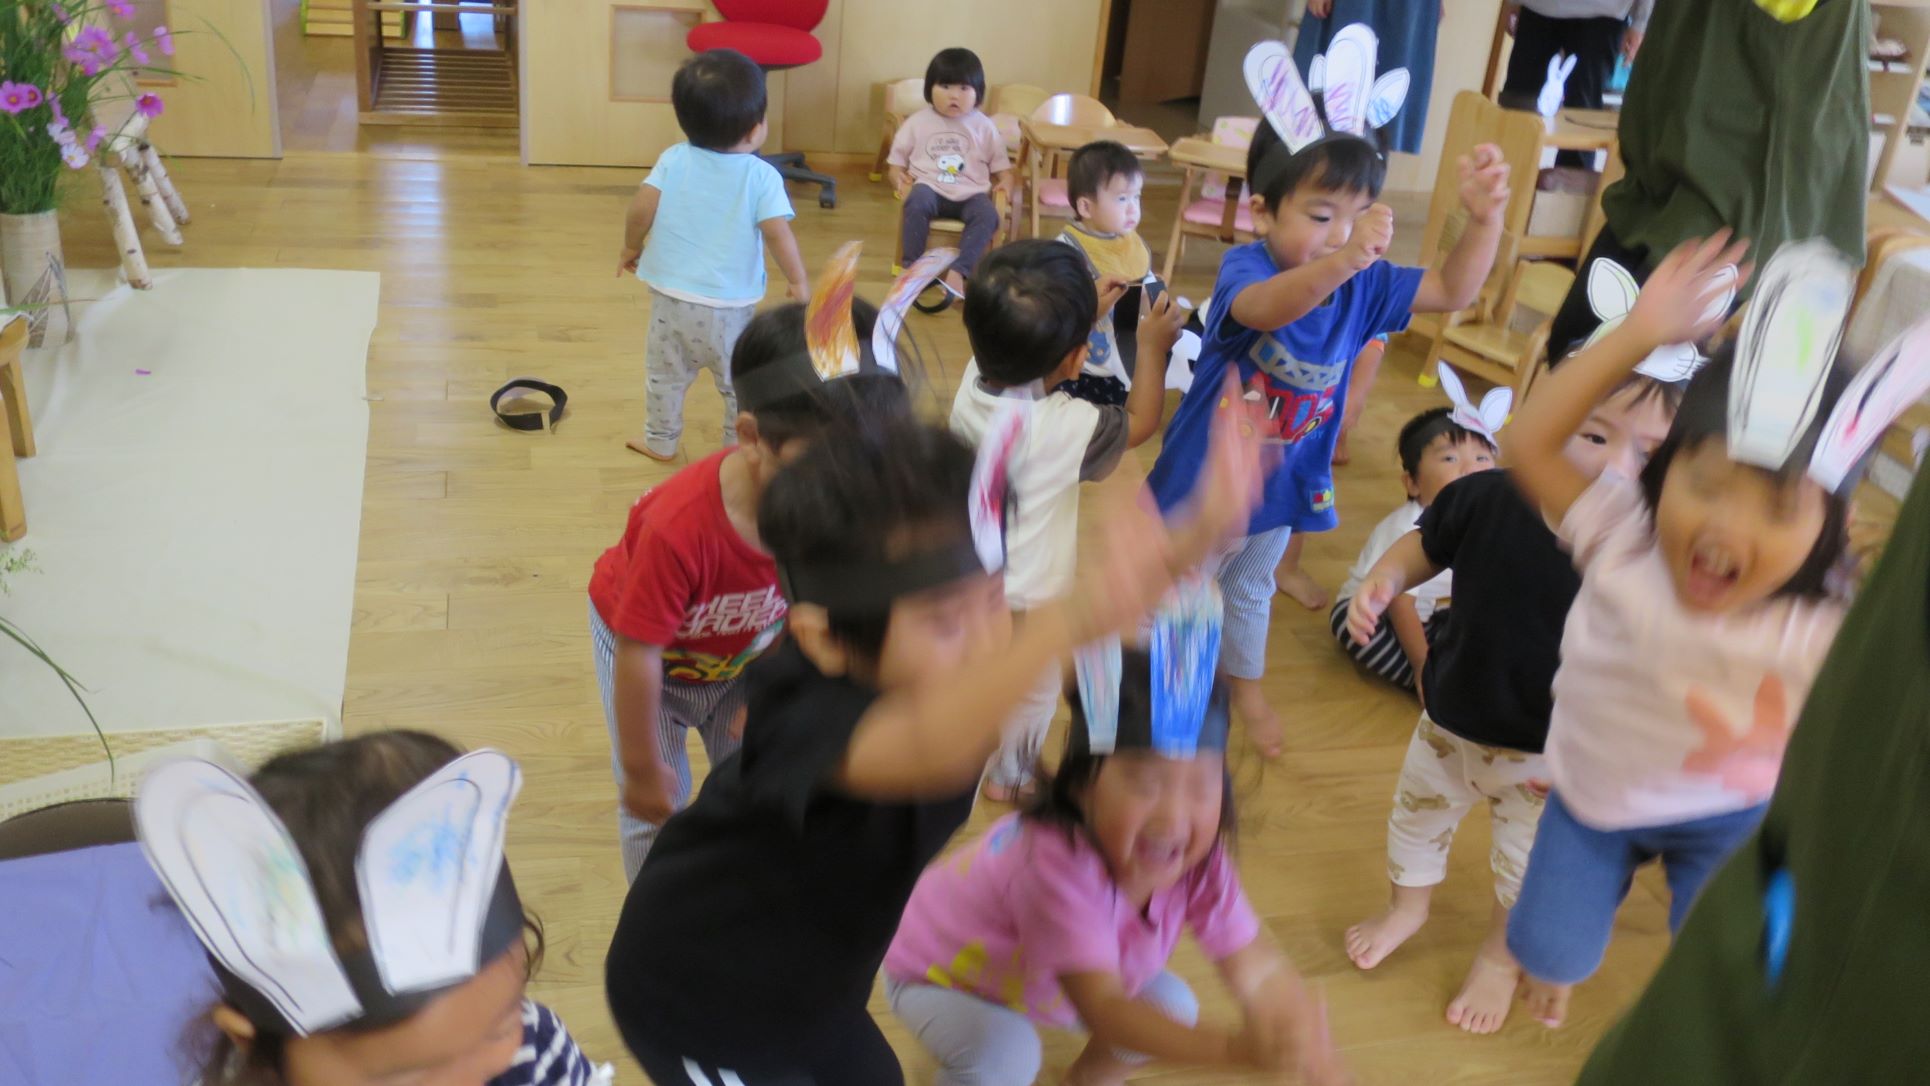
pixel 1705 609
pixel 946 162
pixel 1065 915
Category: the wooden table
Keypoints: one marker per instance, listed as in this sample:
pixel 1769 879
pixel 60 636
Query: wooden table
pixel 1047 141
pixel 1583 130
pixel 1199 155
pixel 15 425
pixel 1204 153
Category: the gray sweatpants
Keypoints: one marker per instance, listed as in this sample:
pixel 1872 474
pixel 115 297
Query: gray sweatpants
pixel 977 1043
pixel 708 707
pixel 684 338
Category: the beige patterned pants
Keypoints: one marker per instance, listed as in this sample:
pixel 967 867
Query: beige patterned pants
pixel 1443 777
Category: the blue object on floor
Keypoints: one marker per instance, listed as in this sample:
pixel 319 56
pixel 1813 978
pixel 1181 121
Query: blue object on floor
pixel 1779 920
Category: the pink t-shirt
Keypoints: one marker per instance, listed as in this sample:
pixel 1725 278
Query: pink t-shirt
pixel 1663 714
pixel 1005 918
pixel 955 157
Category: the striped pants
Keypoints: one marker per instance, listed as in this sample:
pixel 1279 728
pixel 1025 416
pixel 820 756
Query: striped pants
pixel 1246 584
pixel 1382 654
pixel 710 708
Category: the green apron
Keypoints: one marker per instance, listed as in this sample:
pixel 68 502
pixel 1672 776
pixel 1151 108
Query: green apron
pixel 1850 822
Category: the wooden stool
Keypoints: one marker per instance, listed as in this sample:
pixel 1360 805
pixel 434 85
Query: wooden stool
pixel 19 428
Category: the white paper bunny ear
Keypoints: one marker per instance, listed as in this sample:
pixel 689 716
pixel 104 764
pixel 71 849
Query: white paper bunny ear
pixel 991 494
pixel 1099 668
pixel 1677 362
pixel 1881 391
pixel 891 314
pixel 237 876
pixel 1494 409
pixel 1484 420
pixel 1317 74
pixel 427 871
pixel 1390 92
pixel 1275 85
pixel 1568 66
pixel 1349 78
pixel 1786 350
pixel 1612 290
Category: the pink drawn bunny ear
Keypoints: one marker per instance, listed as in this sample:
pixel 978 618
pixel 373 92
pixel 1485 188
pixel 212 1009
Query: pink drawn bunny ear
pixel 1897 377
pixel 1349 78
pixel 991 474
pixel 1275 85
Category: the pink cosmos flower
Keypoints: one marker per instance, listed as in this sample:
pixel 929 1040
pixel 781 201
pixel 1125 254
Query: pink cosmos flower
pixel 19 97
pixel 60 12
pixel 73 156
pixel 92 50
pixel 62 134
pixel 149 105
pixel 164 39
pixel 96 137
pixel 121 9
pixel 133 46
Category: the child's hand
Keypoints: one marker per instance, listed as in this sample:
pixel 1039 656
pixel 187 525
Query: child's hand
pixel 799 292
pixel 1680 301
pixel 1373 233
pixel 900 185
pixel 1369 604
pixel 1297 1020
pixel 627 262
pixel 1484 184
pixel 1110 291
pixel 1161 327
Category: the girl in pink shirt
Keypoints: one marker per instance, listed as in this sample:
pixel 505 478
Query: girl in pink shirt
pixel 946 162
pixel 1065 915
pixel 1705 609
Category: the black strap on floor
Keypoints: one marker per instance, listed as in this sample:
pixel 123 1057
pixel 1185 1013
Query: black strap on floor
pixel 531 421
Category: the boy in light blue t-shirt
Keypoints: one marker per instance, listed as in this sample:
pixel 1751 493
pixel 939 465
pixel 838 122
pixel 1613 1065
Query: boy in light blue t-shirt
pixel 1290 312
pixel 696 233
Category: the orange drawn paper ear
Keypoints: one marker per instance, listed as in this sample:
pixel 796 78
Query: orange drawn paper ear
pixel 828 332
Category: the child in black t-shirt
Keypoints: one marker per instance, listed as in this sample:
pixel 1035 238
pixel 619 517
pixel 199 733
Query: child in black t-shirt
pixel 1486 685
pixel 748 945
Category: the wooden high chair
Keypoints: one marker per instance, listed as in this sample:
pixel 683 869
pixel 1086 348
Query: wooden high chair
pixel 903 97
pixel 1218 166
pixel 1493 348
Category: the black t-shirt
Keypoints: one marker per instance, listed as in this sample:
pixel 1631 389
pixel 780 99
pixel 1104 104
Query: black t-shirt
pixel 764 909
pixel 1490 673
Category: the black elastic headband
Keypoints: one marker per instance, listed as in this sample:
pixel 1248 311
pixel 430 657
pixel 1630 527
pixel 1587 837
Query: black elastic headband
pixel 868 588
pixel 1274 162
pixel 768 385
pixel 530 421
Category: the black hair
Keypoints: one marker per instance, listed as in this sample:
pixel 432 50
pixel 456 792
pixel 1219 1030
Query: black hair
pixel 1094 165
pixel 1028 307
pixel 718 96
pixel 885 490
pixel 777 334
pixel 1061 802
pixel 1704 416
pixel 1334 165
pixel 1421 430
pixel 326 796
pixel 958 67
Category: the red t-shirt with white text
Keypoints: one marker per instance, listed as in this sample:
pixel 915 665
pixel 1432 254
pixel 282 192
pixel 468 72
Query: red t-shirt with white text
pixel 682 578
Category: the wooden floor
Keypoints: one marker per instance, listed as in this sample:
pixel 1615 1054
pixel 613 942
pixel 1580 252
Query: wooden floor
pixel 477 544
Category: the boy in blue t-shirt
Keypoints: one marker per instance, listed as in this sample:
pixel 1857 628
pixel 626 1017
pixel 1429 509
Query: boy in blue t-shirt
pixel 695 234
pixel 1291 311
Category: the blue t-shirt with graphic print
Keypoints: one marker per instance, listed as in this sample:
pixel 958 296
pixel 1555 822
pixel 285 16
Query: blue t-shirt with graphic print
pixel 1300 374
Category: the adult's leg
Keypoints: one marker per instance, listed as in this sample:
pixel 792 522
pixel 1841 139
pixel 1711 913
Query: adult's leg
pixel 1692 851
pixel 1431 799
pixel 1537 40
pixel 1103 1065
pixel 668 371
pixel 1506 779
pixel 975 1043
pixel 1593 43
pixel 1246 584
pixel 1558 930
pixel 981 217
pixel 914 227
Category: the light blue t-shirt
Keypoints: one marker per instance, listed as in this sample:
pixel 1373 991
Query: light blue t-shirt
pixel 704 245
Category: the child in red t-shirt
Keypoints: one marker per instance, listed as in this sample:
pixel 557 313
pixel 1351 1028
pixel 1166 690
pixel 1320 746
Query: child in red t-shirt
pixel 689 596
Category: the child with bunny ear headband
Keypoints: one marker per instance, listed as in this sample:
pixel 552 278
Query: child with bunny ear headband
pixel 1291 312
pixel 749 944
pixel 356 905
pixel 1705 610
pixel 1065 915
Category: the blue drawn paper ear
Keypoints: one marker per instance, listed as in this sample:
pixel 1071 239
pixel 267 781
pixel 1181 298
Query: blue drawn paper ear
pixel 427 871
pixel 1390 92
pixel 1099 668
pixel 1779 923
pixel 1184 652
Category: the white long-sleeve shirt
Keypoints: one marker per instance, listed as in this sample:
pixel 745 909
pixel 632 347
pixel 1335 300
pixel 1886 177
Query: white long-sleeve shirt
pixel 1635 11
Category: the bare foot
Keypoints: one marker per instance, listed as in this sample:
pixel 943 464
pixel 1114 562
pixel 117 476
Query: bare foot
pixel 1304 589
pixel 1371 941
pixel 1547 1002
pixel 637 445
pixel 1263 727
pixel 1482 1004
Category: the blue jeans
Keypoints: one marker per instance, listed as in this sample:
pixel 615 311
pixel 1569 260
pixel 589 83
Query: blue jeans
pixel 1577 877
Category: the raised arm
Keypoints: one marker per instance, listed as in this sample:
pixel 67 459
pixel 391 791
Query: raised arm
pixel 1286 296
pixel 1146 403
pixel 1484 193
pixel 1673 307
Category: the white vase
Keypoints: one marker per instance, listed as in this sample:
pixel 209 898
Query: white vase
pixel 34 274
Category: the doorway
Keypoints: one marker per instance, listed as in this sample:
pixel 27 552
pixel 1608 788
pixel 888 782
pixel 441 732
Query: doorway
pixel 1152 62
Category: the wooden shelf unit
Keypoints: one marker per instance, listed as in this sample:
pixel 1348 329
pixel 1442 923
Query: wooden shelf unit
pixel 1893 93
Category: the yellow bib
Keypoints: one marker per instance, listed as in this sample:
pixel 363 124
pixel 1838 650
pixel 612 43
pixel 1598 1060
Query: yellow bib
pixel 1124 256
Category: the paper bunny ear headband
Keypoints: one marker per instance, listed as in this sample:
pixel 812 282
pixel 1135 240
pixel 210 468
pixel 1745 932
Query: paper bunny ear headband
pixel 1486 419
pixel 832 347
pixel 1611 295
pixel 436 898
pixel 1352 102
pixel 1784 356
pixel 1186 707
pixel 868 588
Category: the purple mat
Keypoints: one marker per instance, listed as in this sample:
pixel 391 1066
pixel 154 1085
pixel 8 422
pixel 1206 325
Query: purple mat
pixel 100 975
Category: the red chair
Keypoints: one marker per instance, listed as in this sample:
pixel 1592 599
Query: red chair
pixel 776 34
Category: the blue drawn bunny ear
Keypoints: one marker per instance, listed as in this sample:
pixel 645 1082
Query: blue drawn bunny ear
pixel 1185 654
pixel 1390 92
pixel 1099 668
pixel 428 867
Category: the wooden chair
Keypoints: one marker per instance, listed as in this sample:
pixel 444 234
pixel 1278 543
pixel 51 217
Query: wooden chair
pixel 18 426
pixel 1042 188
pixel 1493 348
pixel 1221 212
pixel 902 97
pixel 1010 103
